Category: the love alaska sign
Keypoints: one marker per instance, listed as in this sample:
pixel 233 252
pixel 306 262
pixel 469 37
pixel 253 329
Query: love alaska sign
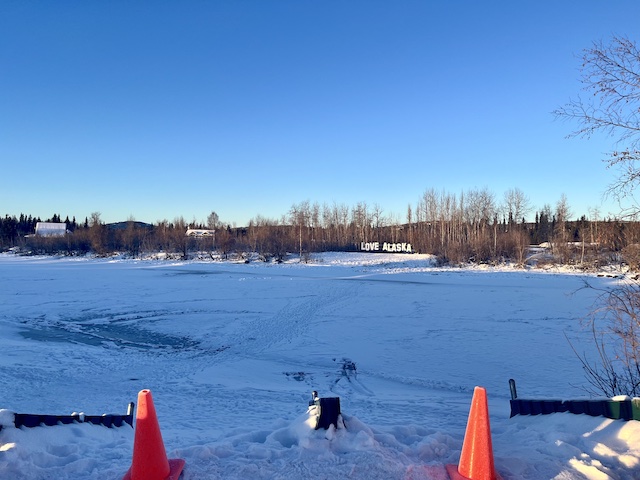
pixel 385 247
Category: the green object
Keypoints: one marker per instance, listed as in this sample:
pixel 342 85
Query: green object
pixel 612 409
pixel 635 408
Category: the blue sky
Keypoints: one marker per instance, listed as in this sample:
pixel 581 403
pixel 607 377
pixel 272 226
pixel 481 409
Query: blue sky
pixel 158 109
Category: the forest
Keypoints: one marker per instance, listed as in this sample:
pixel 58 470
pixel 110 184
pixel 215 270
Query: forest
pixel 456 228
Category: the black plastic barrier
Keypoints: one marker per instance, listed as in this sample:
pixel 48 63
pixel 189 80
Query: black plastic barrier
pixel 627 409
pixel 30 420
pixel 328 410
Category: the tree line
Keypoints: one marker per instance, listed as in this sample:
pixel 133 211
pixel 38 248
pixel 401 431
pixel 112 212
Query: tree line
pixel 473 226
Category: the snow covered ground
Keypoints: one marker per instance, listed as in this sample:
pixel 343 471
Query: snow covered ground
pixel 232 352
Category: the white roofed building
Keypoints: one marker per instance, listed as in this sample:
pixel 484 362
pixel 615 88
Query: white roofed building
pixel 198 232
pixel 49 229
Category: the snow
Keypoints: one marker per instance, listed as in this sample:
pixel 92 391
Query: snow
pixel 50 229
pixel 232 351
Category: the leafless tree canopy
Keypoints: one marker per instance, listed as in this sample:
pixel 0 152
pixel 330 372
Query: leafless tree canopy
pixel 610 75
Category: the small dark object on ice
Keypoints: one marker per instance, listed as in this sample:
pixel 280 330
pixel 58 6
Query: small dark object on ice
pixel 348 367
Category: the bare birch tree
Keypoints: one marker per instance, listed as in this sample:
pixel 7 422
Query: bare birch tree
pixel 610 75
pixel 516 205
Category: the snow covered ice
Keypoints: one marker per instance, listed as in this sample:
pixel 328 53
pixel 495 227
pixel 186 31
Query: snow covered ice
pixel 232 351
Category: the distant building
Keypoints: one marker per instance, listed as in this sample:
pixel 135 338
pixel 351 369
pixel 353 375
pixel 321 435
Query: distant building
pixel 49 229
pixel 195 232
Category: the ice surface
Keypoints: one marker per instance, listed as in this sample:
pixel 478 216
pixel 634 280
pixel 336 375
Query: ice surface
pixel 233 351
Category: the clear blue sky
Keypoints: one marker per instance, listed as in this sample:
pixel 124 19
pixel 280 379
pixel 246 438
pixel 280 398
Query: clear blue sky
pixel 160 109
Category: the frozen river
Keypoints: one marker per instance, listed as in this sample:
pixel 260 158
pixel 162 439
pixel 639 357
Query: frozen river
pixel 238 347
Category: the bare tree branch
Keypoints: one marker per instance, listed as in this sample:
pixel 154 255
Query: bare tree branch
pixel 610 74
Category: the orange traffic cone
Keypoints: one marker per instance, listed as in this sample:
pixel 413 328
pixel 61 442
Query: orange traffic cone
pixel 476 459
pixel 149 456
